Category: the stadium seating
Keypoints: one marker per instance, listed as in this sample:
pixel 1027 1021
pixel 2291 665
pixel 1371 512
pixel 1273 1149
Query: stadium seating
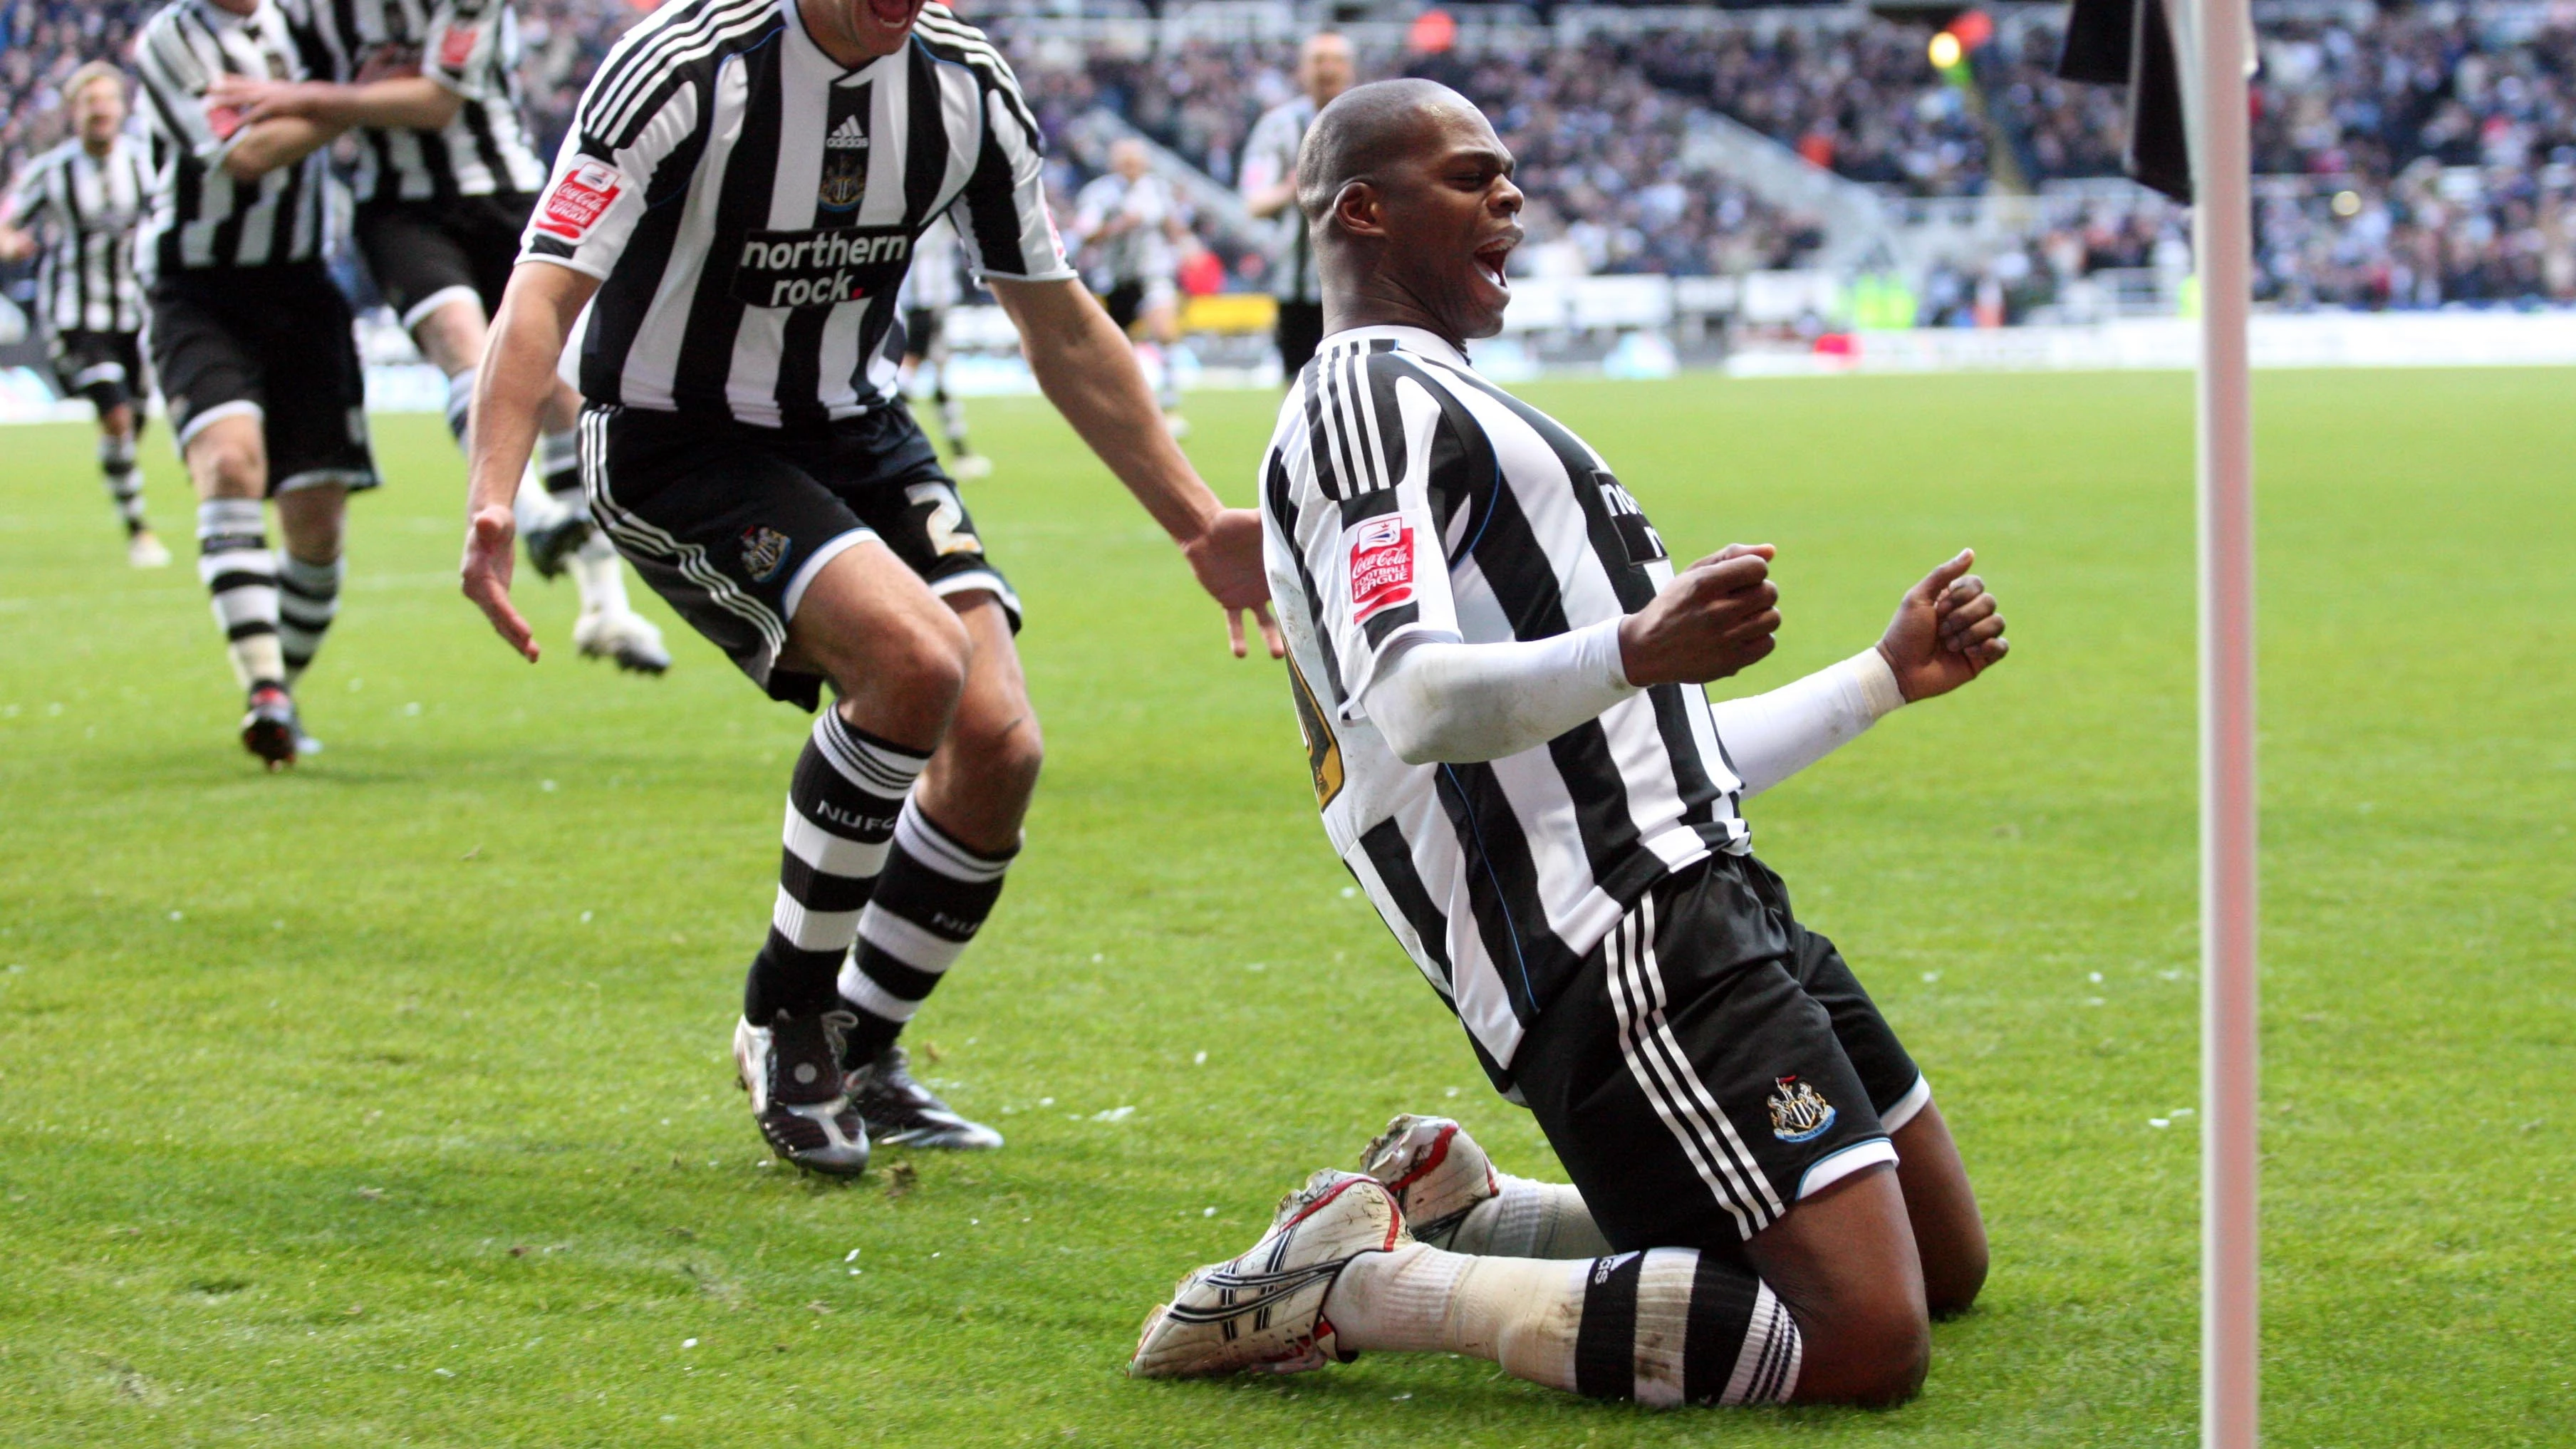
pixel 2405 159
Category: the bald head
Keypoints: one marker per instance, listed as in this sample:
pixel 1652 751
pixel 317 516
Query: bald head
pixel 1409 196
pixel 1368 129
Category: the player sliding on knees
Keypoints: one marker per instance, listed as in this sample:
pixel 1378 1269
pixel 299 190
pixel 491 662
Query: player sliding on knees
pixel 737 203
pixel 445 183
pixel 1499 675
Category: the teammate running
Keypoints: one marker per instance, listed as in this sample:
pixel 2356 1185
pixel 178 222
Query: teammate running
pixel 445 183
pixel 1130 224
pixel 740 195
pixel 1269 186
pixel 253 346
pixel 1499 677
pixel 89 193
pixel 933 286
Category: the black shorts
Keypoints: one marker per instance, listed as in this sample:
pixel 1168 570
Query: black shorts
pixel 728 521
pixel 920 329
pixel 105 367
pixel 426 254
pixel 1300 330
pixel 1134 297
pixel 273 343
pixel 1713 1063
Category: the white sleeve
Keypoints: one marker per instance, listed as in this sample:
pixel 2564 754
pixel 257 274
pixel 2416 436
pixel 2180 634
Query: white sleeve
pixel 1770 737
pixel 464 34
pixel 175 81
pixel 1380 573
pixel 1002 214
pixel 1460 704
pixel 596 195
pixel 1266 161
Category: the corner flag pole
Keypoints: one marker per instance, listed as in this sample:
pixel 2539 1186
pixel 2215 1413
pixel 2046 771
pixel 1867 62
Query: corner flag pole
pixel 2230 1372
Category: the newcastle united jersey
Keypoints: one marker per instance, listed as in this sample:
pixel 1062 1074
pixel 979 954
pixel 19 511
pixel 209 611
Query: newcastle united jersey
pixel 93 204
pixel 750 206
pixel 1403 496
pixel 470 47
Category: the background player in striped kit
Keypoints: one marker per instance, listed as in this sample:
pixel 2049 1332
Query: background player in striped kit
pixel 89 193
pixel 1132 232
pixel 935 284
pixel 737 207
pixel 1269 185
pixel 1499 676
pixel 253 345
pixel 445 183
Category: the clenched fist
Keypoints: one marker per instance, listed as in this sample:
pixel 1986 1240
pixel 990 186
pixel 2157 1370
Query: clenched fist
pixel 1715 618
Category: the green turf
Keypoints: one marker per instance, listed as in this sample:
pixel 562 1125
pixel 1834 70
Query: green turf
pixel 387 1101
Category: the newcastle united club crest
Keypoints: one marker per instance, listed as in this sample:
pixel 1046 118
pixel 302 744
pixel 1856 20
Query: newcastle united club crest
pixel 1799 1112
pixel 845 155
pixel 764 553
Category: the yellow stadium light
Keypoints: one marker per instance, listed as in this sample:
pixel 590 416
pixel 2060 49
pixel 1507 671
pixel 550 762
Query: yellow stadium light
pixel 1946 51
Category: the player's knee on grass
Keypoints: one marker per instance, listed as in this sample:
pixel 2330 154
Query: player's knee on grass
pixel 1844 1262
pixel 1941 1206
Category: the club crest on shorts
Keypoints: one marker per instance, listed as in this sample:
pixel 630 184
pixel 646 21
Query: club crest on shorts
pixel 1799 1112
pixel 764 553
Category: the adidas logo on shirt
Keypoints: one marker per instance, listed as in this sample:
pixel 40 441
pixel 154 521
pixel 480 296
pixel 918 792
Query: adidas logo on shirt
pixel 848 136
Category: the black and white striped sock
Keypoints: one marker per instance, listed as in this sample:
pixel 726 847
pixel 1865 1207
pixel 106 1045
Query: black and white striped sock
pixel 841 808
pixel 559 465
pixel 240 574
pixel 124 480
pixel 308 599
pixel 1675 1326
pixel 1662 1328
pixel 460 403
pixel 928 905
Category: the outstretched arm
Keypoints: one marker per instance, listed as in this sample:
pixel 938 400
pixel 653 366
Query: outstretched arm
pixel 1089 372
pixel 517 376
pixel 1443 701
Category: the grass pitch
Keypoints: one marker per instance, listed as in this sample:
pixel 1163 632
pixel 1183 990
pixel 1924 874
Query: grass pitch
pixel 388 1100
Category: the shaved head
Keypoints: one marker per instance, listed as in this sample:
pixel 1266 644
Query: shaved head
pixel 1365 129
pixel 1408 194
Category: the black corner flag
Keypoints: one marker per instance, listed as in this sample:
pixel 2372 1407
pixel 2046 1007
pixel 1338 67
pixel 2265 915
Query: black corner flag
pixel 2130 42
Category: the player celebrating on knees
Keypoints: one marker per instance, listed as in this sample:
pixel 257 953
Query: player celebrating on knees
pixel 1499 676
pixel 1130 223
pixel 741 192
pixel 445 183
pixel 252 342
pixel 90 192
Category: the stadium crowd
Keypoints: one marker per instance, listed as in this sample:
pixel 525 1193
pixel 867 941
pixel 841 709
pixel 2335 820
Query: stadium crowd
pixel 2418 157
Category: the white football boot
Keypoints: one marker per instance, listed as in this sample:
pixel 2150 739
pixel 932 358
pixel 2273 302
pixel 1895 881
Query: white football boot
pixel 792 1070
pixel 1264 1312
pixel 624 636
pixel 143 551
pixel 1435 1170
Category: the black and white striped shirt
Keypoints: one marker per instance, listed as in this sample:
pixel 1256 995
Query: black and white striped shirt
pixel 89 207
pixel 1403 495
pixel 471 47
pixel 750 206
pixel 202 217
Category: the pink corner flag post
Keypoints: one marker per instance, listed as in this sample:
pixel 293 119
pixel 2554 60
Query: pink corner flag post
pixel 2231 1358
